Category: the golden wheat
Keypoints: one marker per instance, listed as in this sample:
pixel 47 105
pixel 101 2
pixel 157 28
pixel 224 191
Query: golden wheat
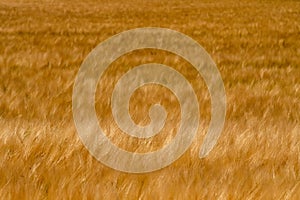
pixel 256 46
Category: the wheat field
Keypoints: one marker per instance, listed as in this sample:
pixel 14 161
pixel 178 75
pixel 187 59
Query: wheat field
pixel 256 46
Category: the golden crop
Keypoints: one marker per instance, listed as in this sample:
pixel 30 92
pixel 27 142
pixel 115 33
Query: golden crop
pixel 256 46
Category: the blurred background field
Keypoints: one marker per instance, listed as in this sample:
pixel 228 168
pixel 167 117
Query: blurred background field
pixel 256 46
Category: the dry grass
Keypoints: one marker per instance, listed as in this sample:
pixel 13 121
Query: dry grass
pixel 256 45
